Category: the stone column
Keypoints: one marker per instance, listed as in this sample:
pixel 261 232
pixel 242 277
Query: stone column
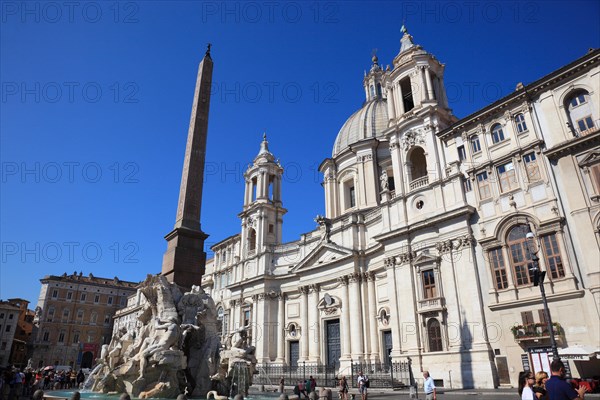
pixel 428 83
pixel 304 324
pixel 394 310
pixel 391 104
pixel 422 84
pixel 262 328
pixel 314 326
pixel 248 193
pixel 254 321
pixel 281 329
pixel 356 339
pixel 372 317
pixel 346 321
pixel 399 100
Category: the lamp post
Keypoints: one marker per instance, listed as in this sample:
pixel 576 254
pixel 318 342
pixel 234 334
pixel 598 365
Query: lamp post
pixel 538 280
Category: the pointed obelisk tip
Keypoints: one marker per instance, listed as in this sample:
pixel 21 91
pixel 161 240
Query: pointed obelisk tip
pixel 207 54
pixel 264 136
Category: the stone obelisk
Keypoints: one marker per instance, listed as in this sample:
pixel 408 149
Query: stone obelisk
pixel 185 259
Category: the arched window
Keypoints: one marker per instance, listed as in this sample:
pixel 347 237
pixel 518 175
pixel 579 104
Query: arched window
pixel 418 167
pixel 407 96
pixel 520 255
pixel 434 333
pixel 579 109
pixel 251 239
pixel 497 133
pixel 520 121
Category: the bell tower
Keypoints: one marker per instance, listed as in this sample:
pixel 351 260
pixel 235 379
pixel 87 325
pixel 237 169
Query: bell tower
pixel 262 214
pixel 416 81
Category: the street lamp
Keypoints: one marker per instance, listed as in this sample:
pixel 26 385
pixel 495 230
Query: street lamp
pixel 538 280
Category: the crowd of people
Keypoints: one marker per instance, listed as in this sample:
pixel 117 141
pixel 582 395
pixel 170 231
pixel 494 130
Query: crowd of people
pixel 16 383
pixel 542 387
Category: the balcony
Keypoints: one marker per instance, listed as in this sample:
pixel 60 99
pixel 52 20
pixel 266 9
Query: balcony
pixel 433 304
pixel 419 182
pixel 534 332
pixel 584 132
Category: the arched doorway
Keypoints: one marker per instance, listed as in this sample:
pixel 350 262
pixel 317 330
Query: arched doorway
pixel 87 359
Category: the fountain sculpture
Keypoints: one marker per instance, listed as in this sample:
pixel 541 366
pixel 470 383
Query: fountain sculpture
pixel 177 349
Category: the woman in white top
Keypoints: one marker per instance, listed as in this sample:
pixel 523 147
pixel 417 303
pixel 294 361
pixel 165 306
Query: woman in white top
pixel 526 382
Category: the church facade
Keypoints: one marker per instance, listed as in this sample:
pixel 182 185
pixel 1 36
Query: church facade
pixel 425 252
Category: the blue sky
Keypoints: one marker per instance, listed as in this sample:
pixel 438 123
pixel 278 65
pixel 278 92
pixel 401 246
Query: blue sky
pixel 96 99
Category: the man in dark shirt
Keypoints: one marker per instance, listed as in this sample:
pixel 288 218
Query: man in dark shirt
pixel 558 388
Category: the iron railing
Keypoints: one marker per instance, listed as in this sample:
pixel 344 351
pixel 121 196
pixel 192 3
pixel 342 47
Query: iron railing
pixel 390 375
pixel 271 374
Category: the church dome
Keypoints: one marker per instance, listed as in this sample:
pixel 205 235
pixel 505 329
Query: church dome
pixel 368 122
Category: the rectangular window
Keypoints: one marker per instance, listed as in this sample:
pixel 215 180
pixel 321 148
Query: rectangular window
pixel 8 328
pixel 110 300
pixel 10 316
pixel 507 177
pixel 106 319
pixel 69 295
pixel 123 301
pixel 429 289
pixel 83 296
pixel 97 299
pixel 247 317
pixel 50 315
pixel 46 336
pixel 532 168
pixel 462 154
pixel 54 293
pixel 521 125
pixel 498 268
pixel 521 263
pixel 61 337
pixel 585 124
pixel 552 256
pixel 484 185
pixel 527 317
pixel 475 145
pixel 1 315
pixel 352 194
pixel 467 184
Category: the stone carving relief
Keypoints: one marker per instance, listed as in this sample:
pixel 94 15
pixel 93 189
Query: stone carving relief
pixel 412 138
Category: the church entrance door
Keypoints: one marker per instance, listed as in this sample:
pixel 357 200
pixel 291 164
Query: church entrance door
pixel 333 342
pixel 294 353
pixel 387 345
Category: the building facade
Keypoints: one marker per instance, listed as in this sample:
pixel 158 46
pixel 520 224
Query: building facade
pixel 423 251
pixel 21 348
pixel 9 317
pixel 74 318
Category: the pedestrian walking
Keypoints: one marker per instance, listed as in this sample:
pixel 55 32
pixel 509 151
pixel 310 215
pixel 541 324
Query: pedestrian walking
pixel 363 385
pixel 343 388
pixel 429 386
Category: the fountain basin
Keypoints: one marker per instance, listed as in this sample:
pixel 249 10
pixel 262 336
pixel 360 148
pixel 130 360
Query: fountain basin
pixel 66 395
